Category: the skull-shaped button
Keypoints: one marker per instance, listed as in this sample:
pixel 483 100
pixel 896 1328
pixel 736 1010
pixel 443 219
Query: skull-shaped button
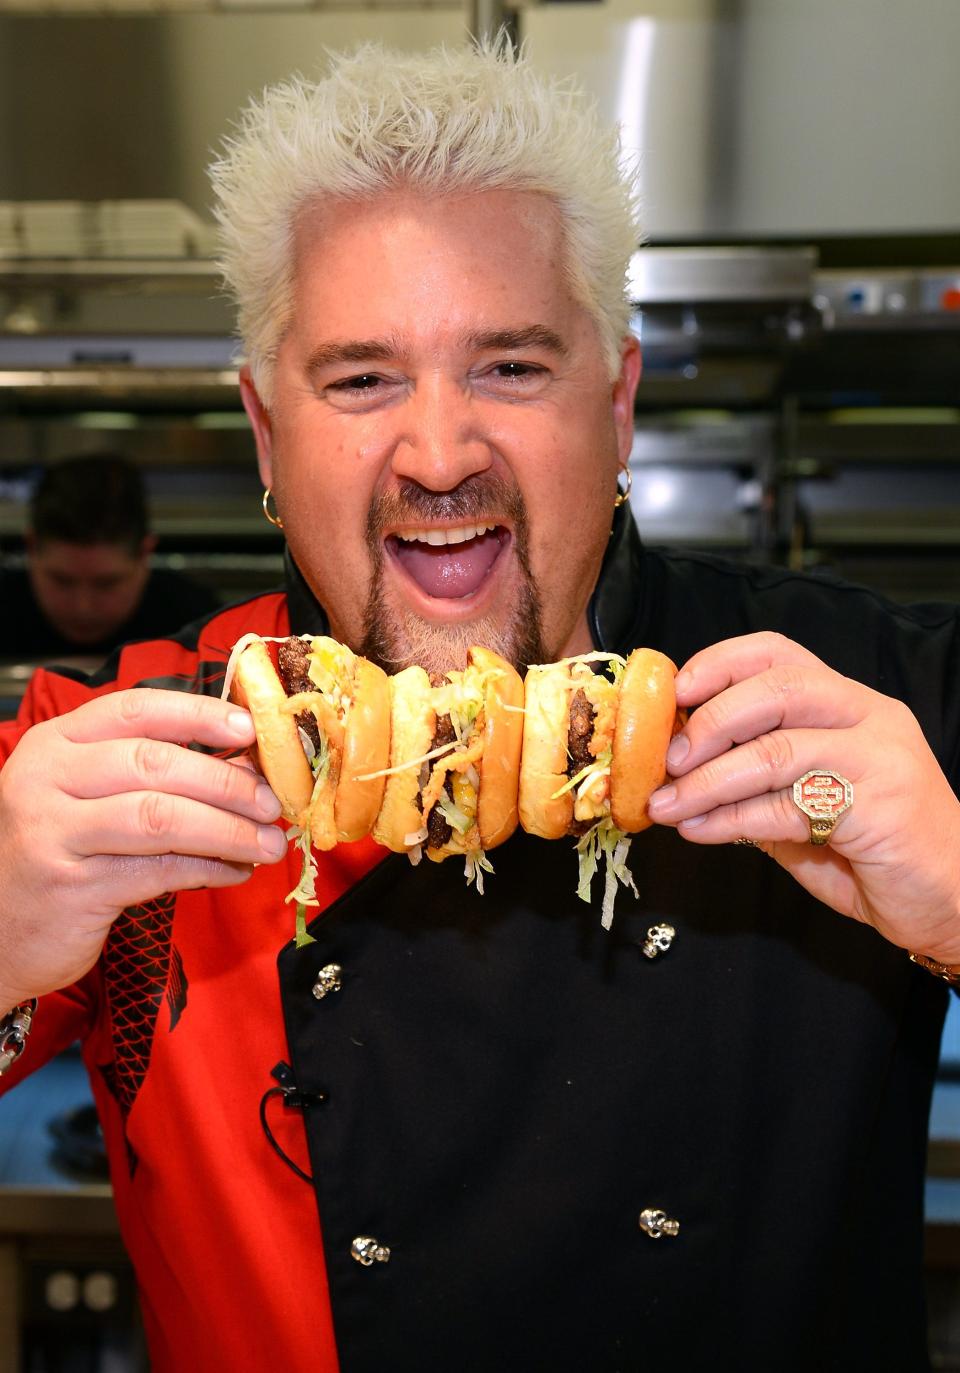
pixel 368 1251
pixel 329 979
pixel 657 1223
pixel 658 941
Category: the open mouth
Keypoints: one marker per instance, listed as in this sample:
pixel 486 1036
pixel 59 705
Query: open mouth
pixel 449 563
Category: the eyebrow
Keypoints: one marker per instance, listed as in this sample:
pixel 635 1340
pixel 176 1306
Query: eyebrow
pixel 351 350
pixel 515 340
pixel 485 341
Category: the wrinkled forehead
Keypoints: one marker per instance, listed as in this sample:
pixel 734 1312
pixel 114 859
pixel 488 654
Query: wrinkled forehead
pixel 467 262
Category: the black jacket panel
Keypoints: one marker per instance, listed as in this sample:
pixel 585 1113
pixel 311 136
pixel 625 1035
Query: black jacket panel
pixel 508 1086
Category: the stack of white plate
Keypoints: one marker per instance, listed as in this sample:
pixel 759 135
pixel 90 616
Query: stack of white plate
pixel 55 228
pixel 147 228
pixel 102 229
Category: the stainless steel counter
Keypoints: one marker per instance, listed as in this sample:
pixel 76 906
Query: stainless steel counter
pixel 64 1275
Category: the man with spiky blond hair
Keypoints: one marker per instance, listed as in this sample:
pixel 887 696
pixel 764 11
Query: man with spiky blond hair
pixel 516 1140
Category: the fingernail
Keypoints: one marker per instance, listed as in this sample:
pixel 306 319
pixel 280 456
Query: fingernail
pixel 678 750
pixel 692 823
pixel 662 800
pixel 273 841
pixel 683 682
pixel 265 802
pixel 240 722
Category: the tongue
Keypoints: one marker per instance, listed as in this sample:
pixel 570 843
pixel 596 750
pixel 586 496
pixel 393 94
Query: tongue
pixel 448 570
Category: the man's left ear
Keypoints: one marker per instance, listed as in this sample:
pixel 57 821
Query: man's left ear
pixel 259 417
pixel 624 394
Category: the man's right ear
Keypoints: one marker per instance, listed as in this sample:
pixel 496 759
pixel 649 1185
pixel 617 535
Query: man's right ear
pixel 259 417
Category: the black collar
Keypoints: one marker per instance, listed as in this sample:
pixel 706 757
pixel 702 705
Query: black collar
pixel 307 615
pixel 616 611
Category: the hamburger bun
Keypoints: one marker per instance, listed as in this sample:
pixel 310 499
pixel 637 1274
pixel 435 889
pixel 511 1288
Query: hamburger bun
pixel 594 747
pixel 412 725
pixel 455 759
pixel 319 743
pixel 647 719
pixel 279 749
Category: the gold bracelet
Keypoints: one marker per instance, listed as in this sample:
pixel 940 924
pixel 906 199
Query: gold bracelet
pixel 941 970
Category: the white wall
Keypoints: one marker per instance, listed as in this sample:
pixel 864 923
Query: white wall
pixel 753 117
pixel 221 59
pixel 776 116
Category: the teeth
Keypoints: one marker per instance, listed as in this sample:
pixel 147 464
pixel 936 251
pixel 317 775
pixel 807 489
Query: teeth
pixel 437 537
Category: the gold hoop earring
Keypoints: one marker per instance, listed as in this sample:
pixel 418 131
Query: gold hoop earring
pixel 624 495
pixel 275 520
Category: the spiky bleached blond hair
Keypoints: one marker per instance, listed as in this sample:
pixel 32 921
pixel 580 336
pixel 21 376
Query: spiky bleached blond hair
pixel 447 121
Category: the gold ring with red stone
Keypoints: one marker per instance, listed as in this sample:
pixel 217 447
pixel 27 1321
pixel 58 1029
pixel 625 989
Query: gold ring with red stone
pixel 822 797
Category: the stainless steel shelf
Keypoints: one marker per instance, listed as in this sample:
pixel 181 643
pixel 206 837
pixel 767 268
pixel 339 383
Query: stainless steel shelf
pixel 98 379
pixel 667 275
pixel 72 269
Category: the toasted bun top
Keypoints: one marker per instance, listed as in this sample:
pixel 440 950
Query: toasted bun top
pixel 413 724
pixel 257 687
pixel 646 719
pixel 499 766
pixel 543 766
pixel 493 746
pixel 366 749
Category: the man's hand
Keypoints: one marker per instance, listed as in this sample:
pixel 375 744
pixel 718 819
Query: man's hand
pixel 768 711
pixel 106 807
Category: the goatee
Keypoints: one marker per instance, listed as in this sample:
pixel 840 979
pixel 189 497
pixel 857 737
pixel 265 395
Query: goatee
pixel 397 639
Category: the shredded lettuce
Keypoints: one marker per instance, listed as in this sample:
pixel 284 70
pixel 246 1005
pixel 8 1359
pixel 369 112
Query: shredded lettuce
pixel 463 713
pixel 452 813
pixel 411 763
pixel 300 936
pixel 320 762
pixel 604 840
pixel 598 768
pixel 462 697
pixel 477 863
pixel 615 662
pixel 305 892
pixel 306 743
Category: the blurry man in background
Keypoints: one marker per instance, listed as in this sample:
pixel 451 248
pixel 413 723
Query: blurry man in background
pixel 88 585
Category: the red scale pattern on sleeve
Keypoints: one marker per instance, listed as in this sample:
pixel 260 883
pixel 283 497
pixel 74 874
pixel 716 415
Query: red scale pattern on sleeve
pixel 195 1128
pixel 136 964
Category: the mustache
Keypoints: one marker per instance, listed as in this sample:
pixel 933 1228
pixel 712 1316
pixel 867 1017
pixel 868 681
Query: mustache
pixel 484 496
pixel 394 640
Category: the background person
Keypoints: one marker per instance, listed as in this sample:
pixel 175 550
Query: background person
pixel 519 1141
pixel 88 585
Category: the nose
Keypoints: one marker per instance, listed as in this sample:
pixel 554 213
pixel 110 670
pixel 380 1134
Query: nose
pixel 81 611
pixel 440 443
pixel 83 602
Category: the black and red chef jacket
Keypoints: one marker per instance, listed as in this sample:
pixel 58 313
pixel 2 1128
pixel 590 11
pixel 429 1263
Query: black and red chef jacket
pixel 487 1091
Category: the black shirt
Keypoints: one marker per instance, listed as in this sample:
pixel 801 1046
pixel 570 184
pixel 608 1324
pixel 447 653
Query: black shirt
pixel 170 600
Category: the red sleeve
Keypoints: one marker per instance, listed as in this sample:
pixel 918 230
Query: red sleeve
pixel 62 1017
pixel 192 662
pixel 38 704
pixel 10 733
pixel 66 1015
